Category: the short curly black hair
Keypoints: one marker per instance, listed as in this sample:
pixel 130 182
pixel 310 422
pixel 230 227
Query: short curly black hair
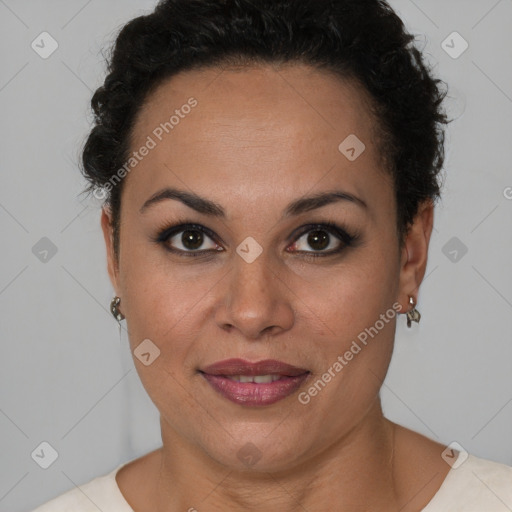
pixel 363 40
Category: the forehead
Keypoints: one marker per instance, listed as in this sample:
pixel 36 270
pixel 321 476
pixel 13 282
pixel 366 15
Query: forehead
pixel 256 128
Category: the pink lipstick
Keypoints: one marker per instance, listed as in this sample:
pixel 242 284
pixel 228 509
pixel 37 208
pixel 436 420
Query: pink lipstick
pixel 254 384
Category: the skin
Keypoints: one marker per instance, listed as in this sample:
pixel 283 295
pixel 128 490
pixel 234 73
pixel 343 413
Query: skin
pixel 259 138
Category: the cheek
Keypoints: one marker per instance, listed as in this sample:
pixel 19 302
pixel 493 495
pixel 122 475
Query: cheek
pixel 354 318
pixel 351 296
pixel 164 301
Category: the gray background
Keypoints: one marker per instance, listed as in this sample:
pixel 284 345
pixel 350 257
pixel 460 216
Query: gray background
pixel 67 379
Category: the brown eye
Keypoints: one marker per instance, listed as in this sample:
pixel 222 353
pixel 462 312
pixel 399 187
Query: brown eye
pixel 318 239
pixel 323 239
pixel 188 239
pixel 192 239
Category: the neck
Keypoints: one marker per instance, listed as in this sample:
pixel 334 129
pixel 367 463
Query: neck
pixel 354 472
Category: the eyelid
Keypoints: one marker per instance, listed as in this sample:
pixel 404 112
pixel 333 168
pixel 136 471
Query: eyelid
pixel 331 227
pixel 168 231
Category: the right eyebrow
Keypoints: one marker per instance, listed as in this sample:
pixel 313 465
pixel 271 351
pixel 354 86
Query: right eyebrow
pixel 198 203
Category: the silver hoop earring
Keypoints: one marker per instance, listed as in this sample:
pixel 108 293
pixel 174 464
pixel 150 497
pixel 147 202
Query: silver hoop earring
pixel 114 309
pixel 413 315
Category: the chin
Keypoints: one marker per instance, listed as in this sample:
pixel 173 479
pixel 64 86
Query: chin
pixel 257 452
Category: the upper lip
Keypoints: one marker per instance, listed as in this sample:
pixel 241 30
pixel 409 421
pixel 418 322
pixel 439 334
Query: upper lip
pixel 241 367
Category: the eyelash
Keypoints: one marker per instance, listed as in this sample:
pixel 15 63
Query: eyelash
pixel 166 232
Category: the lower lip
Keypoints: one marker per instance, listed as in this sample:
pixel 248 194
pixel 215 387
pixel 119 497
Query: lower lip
pixel 253 394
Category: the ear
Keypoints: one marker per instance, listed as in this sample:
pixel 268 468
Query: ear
pixel 108 235
pixel 415 254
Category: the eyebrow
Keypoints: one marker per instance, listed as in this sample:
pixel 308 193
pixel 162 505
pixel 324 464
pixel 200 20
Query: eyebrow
pixel 211 208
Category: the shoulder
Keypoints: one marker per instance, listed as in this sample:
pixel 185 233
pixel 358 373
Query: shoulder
pixel 102 493
pixel 475 484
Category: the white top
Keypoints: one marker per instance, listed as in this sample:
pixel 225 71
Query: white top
pixel 477 485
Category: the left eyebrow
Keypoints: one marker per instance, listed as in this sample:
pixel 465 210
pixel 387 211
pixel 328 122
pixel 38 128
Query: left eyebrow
pixel 211 208
pixel 306 204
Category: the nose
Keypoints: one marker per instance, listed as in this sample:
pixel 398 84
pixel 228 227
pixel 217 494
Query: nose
pixel 255 301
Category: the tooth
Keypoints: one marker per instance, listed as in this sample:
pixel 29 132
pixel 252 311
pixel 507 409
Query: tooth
pixel 263 379
pixel 258 379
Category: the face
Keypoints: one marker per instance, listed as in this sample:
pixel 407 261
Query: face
pixel 249 267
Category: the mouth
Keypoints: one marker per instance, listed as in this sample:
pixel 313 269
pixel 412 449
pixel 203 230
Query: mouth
pixel 254 384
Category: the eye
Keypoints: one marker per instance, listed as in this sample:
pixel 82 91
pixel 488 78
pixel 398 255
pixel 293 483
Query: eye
pixel 188 240
pixel 325 239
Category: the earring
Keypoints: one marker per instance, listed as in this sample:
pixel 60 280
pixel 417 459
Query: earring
pixel 114 309
pixel 413 315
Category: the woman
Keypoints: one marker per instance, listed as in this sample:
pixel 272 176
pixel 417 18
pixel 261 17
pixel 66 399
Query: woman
pixel 269 170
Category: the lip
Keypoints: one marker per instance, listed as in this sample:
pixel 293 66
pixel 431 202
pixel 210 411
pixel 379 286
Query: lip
pixel 231 367
pixel 251 393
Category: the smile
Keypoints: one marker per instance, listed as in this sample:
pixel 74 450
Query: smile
pixel 254 384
